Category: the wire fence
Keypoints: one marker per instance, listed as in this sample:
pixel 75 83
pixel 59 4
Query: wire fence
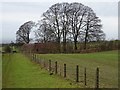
pixel 81 76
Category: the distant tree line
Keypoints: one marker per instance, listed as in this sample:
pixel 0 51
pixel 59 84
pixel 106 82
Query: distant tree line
pixel 52 47
pixel 68 25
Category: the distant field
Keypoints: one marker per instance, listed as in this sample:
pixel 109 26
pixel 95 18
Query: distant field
pixel 20 72
pixel 106 61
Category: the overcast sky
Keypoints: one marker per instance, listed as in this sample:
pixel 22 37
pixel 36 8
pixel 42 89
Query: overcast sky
pixel 15 14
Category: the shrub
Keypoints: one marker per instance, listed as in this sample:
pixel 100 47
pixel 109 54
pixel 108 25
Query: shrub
pixel 7 49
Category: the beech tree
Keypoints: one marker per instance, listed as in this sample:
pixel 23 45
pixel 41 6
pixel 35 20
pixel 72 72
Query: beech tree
pixel 70 21
pixel 51 16
pixel 92 28
pixel 44 33
pixel 22 35
pixel 77 12
pixel 64 23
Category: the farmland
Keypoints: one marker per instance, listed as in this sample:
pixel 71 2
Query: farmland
pixel 0 67
pixel 0 49
pixel 0 71
pixel 22 73
pixel 106 61
pixel 68 46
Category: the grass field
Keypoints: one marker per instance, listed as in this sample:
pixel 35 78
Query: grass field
pixel 0 48
pixel 106 61
pixel 0 67
pixel 0 70
pixel 20 72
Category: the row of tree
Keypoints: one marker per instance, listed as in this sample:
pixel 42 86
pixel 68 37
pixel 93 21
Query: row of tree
pixel 63 23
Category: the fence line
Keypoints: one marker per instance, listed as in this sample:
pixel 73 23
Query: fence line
pixel 49 65
pixel 56 67
pixel 97 77
pixel 77 73
pixel 63 71
pixel 85 77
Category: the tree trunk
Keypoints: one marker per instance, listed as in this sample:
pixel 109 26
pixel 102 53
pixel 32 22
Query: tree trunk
pixel 86 35
pixel 75 43
pixel 28 39
pixel 58 34
pixel 64 39
pixel 64 46
pixel 58 41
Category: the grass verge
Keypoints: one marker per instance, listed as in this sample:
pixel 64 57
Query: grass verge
pixel 20 72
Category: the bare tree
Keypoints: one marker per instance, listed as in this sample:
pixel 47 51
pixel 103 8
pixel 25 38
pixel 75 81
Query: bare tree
pixel 84 24
pixel 22 35
pixel 92 28
pixel 77 12
pixel 52 17
pixel 64 21
pixel 44 33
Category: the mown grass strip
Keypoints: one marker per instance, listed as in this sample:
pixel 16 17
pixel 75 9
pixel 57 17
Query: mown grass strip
pixel 22 73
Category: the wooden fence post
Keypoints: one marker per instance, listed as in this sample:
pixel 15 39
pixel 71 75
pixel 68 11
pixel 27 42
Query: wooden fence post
pixel 39 61
pixel 64 70
pixel 56 67
pixel 60 70
pixel 97 77
pixel 77 73
pixel 49 65
pixel 9 56
pixel 33 57
pixel 85 77
pixel 44 63
pixel 36 59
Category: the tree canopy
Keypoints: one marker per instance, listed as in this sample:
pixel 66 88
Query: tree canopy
pixel 63 23
pixel 22 35
pixel 75 22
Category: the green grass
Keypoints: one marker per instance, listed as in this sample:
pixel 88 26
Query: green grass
pixel 0 67
pixel 106 61
pixel 0 48
pixel 20 72
pixel 0 70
